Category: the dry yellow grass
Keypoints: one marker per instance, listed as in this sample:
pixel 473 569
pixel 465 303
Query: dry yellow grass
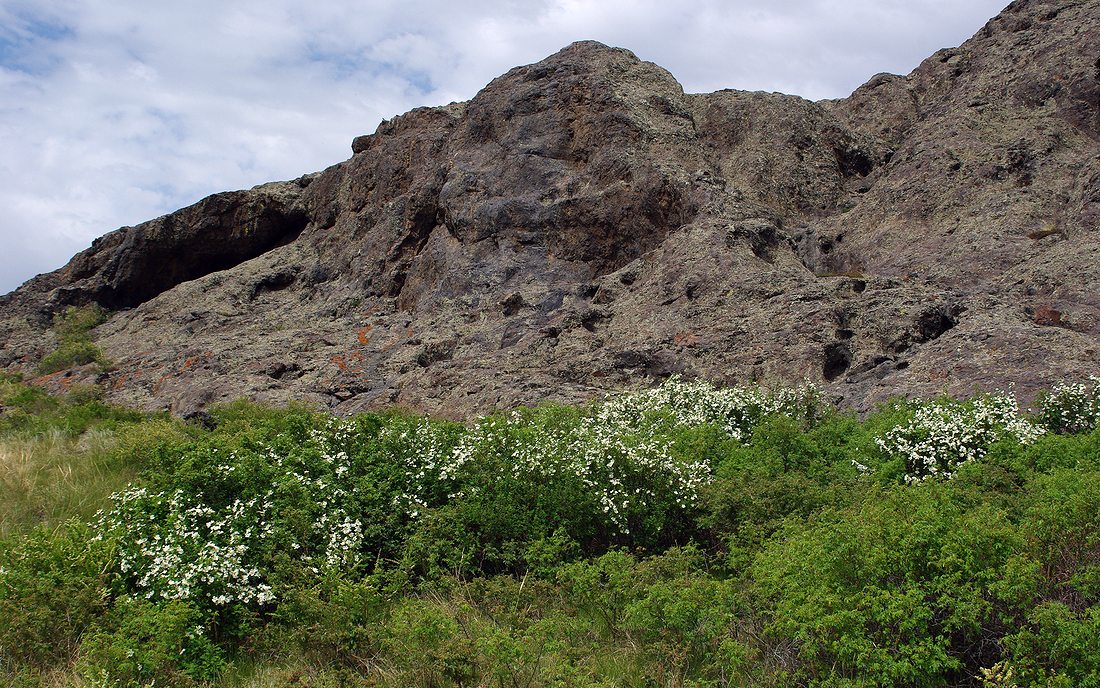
pixel 50 477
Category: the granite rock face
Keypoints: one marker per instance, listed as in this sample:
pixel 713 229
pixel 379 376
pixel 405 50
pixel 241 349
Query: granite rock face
pixel 583 225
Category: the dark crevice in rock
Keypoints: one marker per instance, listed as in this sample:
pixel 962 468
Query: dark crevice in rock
pixel 762 236
pixel 511 305
pixel 653 364
pixel 276 281
pixel 934 322
pixel 854 162
pixel 278 371
pixel 594 320
pixel 134 264
pixel 931 324
pixel 838 358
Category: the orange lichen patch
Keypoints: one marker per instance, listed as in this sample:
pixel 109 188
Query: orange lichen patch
pixel 351 367
pixel 685 339
pixel 50 378
pixel 160 381
pixel 362 334
pixel 187 364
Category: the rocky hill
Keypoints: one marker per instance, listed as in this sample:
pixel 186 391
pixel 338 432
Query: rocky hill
pixel 582 225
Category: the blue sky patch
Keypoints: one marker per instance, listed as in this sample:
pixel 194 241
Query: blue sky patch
pixel 22 44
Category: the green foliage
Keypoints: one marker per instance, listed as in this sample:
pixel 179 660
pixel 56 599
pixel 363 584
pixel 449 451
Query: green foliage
pixel 73 329
pixel 145 643
pixel 682 536
pixel 895 590
pixel 29 411
pixel 76 323
pixel 62 458
pixel 70 355
pixel 1059 647
pixel 54 585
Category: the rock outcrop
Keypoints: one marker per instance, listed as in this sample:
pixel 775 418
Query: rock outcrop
pixel 583 225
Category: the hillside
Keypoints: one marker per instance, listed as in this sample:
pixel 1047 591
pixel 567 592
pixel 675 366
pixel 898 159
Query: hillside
pixel 582 224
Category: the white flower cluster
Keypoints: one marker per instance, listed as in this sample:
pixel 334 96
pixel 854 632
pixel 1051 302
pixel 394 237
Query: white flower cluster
pixel 1071 408
pixel 620 450
pixel 318 467
pixel 343 538
pixel 180 549
pixel 734 409
pixel 945 434
pixel 430 464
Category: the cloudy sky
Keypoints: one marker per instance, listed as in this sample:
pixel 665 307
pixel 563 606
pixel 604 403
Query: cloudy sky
pixel 113 112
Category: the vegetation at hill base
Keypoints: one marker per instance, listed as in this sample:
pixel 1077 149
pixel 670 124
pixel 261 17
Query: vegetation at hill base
pixel 679 536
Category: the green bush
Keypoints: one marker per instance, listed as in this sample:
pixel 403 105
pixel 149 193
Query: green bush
pixel 680 536
pixel 69 355
pixel 54 586
pixel 76 322
pixel 1058 647
pixel 901 589
pixel 148 643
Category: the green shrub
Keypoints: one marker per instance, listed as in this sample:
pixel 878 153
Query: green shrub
pixel 782 472
pixel 331 622
pixel 679 536
pixel 149 643
pixel 54 586
pixel 75 323
pixel 70 355
pixel 903 589
pixel 1058 647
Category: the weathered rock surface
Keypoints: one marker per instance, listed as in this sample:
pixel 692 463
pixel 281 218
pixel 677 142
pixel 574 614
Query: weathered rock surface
pixel 582 225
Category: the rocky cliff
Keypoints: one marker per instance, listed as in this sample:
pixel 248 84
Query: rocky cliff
pixel 582 225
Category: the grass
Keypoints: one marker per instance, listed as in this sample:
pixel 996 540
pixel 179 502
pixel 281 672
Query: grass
pixel 52 477
pixel 61 458
pixel 73 329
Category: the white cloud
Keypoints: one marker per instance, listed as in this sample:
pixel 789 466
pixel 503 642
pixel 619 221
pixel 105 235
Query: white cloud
pixel 112 113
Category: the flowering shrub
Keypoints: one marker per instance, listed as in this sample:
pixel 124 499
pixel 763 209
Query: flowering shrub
pixel 943 435
pixel 429 462
pixel 331 491
pixel 209 536
pixel 177 548
pixel 619 454
pixel 1071 407
pixel 736 410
